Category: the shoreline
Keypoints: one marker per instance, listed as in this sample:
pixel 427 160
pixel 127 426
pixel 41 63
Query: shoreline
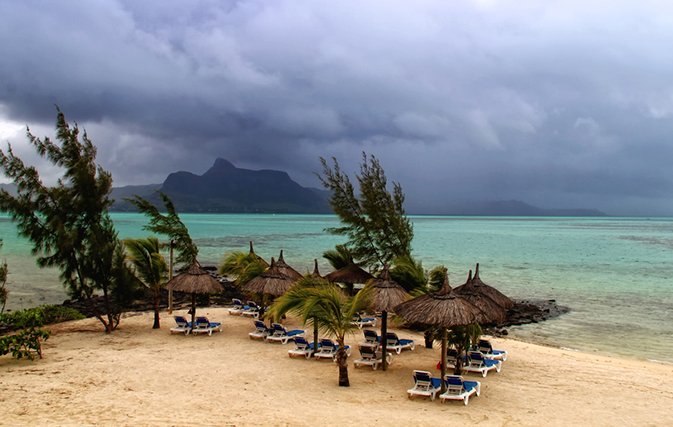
pixel 141 376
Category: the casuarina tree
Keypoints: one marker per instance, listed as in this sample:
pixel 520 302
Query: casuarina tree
pixel 68 224
pixel 374 222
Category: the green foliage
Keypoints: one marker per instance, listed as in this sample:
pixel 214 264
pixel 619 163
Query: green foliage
pixel 69 224
pixel 339 257
pixel 243 266
pixel 26 343
pixel 375 223
pixel 149 267
pixel 323 304
pixel 40 316
pixel 462 338
pixel 409 273
pixel 168 225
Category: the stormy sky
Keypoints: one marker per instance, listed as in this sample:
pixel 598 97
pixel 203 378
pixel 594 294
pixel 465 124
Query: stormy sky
pixel 560 103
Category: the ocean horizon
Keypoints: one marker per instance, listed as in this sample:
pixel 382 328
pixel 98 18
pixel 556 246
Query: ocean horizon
pixel 613 273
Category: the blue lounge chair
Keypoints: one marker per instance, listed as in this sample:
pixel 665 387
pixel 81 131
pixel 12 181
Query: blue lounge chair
pixel 371 356
pixel 364 321
pixel 182 325
pixel 302 348
pixel 328 350
pixel 371 338
pixel 252 311
pixel 479 364
pixel 394 343
pixel 261 330
pixel 425 385
pixel 283 335
pixel 486 349
pixel 238 307
pixel 459 389
pixel 205 326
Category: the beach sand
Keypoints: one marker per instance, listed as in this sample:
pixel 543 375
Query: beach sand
pixel 138 376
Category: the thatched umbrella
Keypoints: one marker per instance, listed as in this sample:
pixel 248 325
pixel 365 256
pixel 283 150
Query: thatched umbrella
pixel 443 309
pixel 350 275
pixel 316 273
pixel 387 293
pixel 252 252
pixel 477 285
pixel 195 280
pixel 485 303
pixel 285 269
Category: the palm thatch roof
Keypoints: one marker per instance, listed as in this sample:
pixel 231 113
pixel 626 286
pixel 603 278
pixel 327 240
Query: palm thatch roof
pixel 494 311
pixel 444 309
pixel 316 273
pixel 271 282
pixel 285 269
pixel 194 280
pixel 387 293
pixel 252 252
pixel 350 274
pixel 477 285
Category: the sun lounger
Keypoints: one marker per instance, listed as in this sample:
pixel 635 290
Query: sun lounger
pixel 282 335
pixel 238 307
pixel 479 364
pixel 203 326
pixel 328 350
pixel 394 343
pixel 261 330
pixel 364 321
pixel 425 385
pixel 370 356
pixel 459 389
pixel 182 325
pixel 302 348
pixel 487 350
pixel 371 337
pixel 252 311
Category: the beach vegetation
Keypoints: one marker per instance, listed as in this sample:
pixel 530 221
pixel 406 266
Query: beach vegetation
pixel 242 266
pixel 149 267
pixel 339 257
pixel 39 316
pixel 169 225
pixel 68 224
pixel 4 293
pixel 462 338
pixel 26 343
pixel 327 306
pixel 374 221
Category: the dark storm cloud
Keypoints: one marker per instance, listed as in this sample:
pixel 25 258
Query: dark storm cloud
pixel 560 104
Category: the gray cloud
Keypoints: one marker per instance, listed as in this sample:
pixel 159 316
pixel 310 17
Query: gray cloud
pixel 560 103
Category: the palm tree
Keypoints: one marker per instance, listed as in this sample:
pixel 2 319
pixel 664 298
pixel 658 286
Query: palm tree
pixel 149 266
pixel 325 305
pixel 243 266
pixel 339 257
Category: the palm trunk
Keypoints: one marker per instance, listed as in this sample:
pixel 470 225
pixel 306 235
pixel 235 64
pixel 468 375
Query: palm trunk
pixel 428 335
pixel 342 361
pixel 157 297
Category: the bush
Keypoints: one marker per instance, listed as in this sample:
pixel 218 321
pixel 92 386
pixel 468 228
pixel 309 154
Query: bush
pixel 39 316
pixel 26 343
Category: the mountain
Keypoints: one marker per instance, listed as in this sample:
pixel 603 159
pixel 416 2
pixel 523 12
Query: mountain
pixel 226 188
pixel 516 208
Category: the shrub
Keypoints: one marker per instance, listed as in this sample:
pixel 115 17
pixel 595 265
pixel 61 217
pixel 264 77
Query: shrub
pixel 39 316
pixel 26 343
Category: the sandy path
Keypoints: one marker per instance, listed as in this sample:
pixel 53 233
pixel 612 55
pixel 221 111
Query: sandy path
pixel 138 376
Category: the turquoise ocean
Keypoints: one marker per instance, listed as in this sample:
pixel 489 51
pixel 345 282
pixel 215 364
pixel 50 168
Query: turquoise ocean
pixel 615 274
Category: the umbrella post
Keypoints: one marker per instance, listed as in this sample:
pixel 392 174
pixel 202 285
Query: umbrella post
pixel 170 276
pixel 384 339
pixel 193 309
pixel 443 362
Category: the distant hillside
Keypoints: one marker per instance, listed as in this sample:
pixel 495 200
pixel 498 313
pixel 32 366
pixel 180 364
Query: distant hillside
pixel 226 188
pixel 516 208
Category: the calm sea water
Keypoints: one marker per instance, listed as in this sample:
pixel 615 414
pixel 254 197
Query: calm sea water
pixel 614 273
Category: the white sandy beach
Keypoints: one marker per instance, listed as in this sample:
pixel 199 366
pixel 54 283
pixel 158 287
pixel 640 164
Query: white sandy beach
pixel 143 377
